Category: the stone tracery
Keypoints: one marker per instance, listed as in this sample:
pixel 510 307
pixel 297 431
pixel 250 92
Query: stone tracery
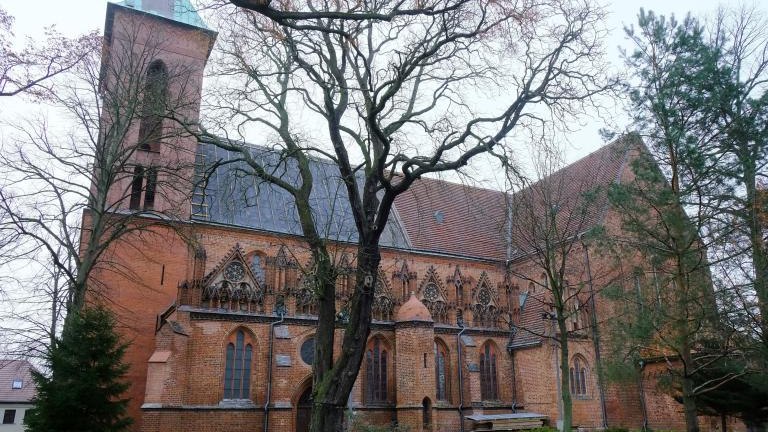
pixel 232 285
pixel 434 296
pixel 485 304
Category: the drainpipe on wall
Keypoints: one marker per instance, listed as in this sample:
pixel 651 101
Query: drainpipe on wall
pixel 511 351
pixel 280 311
pixel 595 336
pixel 461 382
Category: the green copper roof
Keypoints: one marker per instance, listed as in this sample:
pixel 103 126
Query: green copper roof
pixel 177 10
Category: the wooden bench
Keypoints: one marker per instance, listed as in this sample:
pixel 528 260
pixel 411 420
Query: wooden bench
pixel 506 422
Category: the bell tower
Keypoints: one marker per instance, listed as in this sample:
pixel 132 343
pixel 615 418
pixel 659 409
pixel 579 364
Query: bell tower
pixel 153 59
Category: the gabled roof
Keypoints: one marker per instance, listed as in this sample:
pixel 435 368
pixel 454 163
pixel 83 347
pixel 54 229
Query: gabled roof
pixel 576 194
pixel 433 216
pixel 14 371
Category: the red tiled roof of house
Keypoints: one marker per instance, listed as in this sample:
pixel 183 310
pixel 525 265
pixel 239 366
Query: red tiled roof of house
pixel 452 218
pixel 14 371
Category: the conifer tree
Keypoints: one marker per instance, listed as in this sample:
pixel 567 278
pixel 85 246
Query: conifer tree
pixel 82 392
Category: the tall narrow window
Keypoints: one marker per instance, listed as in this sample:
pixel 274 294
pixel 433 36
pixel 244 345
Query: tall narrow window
pixel 136 187
pixel 376 373
pixel 441 372
pixel 237 372
pixel 149 192
pixel 578 376
pixel 153 106
pixel 489 388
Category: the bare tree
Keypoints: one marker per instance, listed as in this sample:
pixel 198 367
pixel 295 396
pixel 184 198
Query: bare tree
pixel 72 189
pixel 551 220
pixel 28 69
pixel 389 92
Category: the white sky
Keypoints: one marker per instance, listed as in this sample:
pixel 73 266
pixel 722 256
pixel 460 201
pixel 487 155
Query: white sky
pixel 74 17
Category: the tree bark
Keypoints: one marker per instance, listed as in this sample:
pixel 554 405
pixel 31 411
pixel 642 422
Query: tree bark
pixel 565 391
pixel 333 386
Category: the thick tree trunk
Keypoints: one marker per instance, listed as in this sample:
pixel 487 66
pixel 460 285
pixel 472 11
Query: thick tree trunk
pixel 333 386
pixel 689 407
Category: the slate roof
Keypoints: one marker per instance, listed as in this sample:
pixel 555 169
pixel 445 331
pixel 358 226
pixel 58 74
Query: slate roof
pixel 233 197
pixel 10 371
pixel 433 216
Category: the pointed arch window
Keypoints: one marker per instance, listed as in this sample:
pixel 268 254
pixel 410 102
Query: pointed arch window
pixel 578 376
pixel 237 373
pixel 153 106
pixel 489 386
pixel 376 359
pixel 442 371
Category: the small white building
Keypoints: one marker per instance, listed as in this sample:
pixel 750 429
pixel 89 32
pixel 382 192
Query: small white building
pixel 16 393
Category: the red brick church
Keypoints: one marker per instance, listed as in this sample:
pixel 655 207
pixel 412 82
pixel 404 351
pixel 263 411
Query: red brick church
pixel 221 323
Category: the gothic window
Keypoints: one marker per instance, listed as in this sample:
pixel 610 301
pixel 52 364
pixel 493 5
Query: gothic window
pixel 233 286
pixel 306 299
pixel 489 386
pixel 237 372
pixel 442 371
pixel 376 359
pixel 459 317
pixel 256 263
pixel 138 186
pixel 151 188
pixel 153 106
pixel 485 312
pixel 578 376
pixel 434 296
pixel 383 306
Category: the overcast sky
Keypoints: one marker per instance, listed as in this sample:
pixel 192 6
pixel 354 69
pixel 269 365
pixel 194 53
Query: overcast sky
pixel 74 17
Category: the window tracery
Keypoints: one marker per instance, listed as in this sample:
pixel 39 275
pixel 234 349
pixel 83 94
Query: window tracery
pixel 376 373
pixel 578 376
pixel 485 309
pixel 383 303
pixel 489 386
pixel 233 286
pixel 237 366
pixel 433 295
pixel 306 297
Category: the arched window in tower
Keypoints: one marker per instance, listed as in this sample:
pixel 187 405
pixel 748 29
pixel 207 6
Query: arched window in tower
pixel 489 386
pixel 153 106
pixel 376 359
pixel 237 372
pixel 578 376
pixel 442 371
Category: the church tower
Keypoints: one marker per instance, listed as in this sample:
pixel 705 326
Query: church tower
pixel 155 52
